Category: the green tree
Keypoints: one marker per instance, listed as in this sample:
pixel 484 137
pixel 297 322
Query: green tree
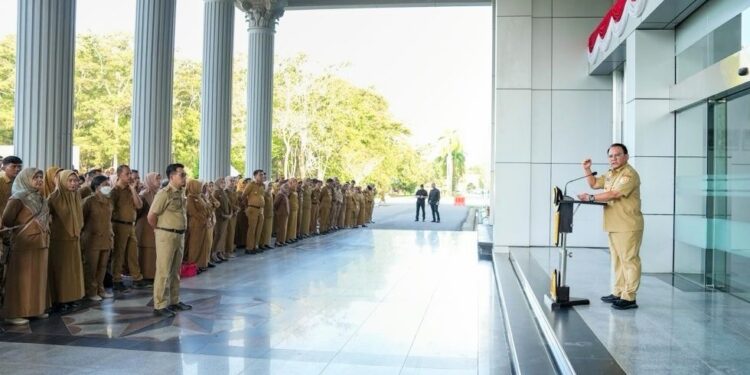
pixel 186 115
pixel 103 90
pixel 7 88
pixel 451 164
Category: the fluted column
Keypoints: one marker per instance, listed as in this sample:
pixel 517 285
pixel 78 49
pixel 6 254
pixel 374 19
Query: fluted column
pixel 261 17
pixel 43 134
pixel 151 139
pixel 216 89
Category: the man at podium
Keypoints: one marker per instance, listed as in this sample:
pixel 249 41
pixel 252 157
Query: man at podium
pixel 623 222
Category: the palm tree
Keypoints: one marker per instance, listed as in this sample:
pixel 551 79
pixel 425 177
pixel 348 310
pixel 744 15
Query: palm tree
pixel 451 164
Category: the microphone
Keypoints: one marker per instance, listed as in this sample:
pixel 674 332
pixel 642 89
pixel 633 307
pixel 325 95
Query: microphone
pixel 565 190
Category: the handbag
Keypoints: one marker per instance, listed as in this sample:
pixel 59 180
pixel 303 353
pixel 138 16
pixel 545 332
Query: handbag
pixel 188 269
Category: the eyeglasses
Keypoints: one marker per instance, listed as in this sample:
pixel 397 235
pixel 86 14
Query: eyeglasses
pixel 612 156
pixel 183 174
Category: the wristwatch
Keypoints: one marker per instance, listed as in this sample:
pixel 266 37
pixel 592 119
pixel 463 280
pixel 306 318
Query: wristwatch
pixel 591 198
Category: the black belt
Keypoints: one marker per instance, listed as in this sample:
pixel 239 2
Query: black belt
pixel 178 231
pixel 123 222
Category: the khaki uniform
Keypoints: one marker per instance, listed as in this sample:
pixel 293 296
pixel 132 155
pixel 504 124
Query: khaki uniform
pixel 306 210
pixel 126 243
pixel 97 241
pixel 5 191
pixel 232 223
pixel 350 209
pixel 265 236
pixel 26 275
pixel 254 195
pixel 65 268
pixel 196 237
pixel 326 199
pixel 291 228
pixel 281 215
pixel 85 191
pixel 361 209
pixel 315 210
pixel 369 205
pixel 146 238
pixel 623 221
pixel 341 214
pixel 171 222
pixel 223 214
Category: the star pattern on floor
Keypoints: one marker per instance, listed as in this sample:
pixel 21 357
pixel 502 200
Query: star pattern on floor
pixel 133 317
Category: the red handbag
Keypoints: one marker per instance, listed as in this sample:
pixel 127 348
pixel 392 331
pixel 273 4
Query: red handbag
pixel 188 270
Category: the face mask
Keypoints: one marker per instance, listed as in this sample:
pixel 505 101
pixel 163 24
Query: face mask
pixel 106 190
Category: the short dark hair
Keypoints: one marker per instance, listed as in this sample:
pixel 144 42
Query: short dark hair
pixel 98 180
pixel 172 168
pixel 620 145
pixel 255 172
pixel 93 171
pixel 12 160
pixel 134 171
pixel 121 168
pixel 329 180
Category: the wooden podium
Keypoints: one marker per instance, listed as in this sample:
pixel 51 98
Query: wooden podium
pixel 562 224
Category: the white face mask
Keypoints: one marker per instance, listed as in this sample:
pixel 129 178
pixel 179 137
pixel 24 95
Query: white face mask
pixel 106 190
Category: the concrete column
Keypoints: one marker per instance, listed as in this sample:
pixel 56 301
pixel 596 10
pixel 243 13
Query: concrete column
pixel 216 89
pixel 261 19
pixel 648 131
pixel 43 134
pixel 153 66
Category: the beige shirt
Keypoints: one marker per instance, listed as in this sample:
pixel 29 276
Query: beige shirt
pixel 624 213
pixel 254 195
pixel 169 207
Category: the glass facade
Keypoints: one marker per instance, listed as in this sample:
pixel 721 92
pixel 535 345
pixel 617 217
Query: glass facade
pixel 712 194
pixel 716 45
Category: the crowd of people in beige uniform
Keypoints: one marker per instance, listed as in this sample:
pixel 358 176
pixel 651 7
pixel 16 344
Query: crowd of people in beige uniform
pixel 64 234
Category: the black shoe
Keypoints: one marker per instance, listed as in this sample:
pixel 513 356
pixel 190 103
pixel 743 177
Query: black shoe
pixel 623 304
pixel 140 284
pixel 179 306
pixel 416 219
pixel 438 221
pixel 211 265
pixel 610 298
pixel 164 313
pixel 120 287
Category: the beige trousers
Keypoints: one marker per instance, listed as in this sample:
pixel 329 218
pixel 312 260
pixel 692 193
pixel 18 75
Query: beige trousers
pixel 624 250
pixel 169 248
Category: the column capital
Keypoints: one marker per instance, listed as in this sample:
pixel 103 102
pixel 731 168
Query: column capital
pixel 261 13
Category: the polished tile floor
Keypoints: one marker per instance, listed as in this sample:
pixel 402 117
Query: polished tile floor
pixel 353 302
pixel 679 328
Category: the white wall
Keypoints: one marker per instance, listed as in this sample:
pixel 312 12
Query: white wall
pixel 649 134
pixel 549 116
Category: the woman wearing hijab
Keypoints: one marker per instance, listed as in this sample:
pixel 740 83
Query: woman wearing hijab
pixel 50 181
pixel 145 232
pixel 231 192
pixel 26 265
pixel 240 231
pixel 291 228
pixel 211 205
pixel 281 214
pixel 265 235
pixel 66 221
pixel 97 239
pixel 197 220
pixel 223 213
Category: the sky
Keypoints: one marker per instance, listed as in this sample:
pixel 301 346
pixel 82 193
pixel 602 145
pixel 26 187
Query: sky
pixel 433 64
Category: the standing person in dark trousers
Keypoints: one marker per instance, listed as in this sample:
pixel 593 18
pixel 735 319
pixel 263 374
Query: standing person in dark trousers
pixel 421 195
pixel 434 200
